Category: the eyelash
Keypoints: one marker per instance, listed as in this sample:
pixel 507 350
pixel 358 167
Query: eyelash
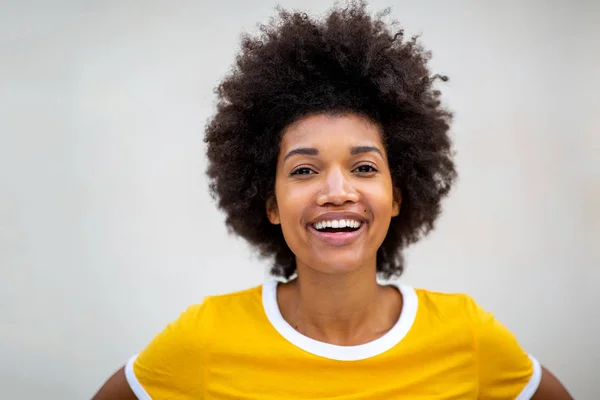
pixel 373 169
pixel 297 170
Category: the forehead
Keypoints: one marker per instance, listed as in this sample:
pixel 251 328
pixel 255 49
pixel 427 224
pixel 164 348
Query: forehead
pixel 325 130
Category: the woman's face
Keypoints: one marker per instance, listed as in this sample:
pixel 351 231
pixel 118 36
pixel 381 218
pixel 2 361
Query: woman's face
pixel 333 192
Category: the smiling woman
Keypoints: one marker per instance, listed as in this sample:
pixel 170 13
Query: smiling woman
pixel 330 153
pixel 333 169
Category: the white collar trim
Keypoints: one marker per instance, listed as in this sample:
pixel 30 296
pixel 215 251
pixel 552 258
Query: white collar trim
pixel 335 352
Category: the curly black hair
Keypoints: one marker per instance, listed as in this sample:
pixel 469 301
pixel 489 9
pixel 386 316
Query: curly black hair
pixel 347 62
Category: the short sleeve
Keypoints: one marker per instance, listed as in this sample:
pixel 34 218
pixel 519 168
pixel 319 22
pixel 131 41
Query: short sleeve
pixel 505 370
pixel 172 365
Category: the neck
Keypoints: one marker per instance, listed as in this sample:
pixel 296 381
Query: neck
pixel 343 309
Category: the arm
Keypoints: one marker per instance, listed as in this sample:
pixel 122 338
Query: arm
pixel 168 367
pixel 505 370
pixel 116 388
pixel 550 388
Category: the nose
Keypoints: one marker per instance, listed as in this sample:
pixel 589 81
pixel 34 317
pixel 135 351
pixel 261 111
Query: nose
pixel 337 189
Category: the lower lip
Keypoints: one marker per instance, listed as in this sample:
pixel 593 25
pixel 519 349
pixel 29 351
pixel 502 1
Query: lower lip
pixel 337 239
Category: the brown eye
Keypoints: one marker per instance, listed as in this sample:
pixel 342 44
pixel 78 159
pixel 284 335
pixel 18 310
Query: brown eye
pixel 302 171
pixel 365 169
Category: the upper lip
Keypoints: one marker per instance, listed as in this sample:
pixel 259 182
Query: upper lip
pixel 331 216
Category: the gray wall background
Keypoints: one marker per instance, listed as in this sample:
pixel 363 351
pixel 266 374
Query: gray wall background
pixel 107 231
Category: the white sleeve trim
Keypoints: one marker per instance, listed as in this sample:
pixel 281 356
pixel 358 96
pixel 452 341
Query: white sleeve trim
pixel 533 384
pixel 134 384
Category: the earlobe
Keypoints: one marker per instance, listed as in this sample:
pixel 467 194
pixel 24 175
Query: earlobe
pixel 396 209
pixel 397 203
pixel 272 211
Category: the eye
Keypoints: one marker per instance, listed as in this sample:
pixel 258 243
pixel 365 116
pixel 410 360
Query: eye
pixel 302 171
pixel 365 169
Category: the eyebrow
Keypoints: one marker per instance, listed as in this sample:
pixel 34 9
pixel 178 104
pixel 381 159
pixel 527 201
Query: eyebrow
pixel 364 149
pixel 311 151
pixel 307 151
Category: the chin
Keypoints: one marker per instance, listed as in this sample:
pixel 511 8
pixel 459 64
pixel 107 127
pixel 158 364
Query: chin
pixel 338 264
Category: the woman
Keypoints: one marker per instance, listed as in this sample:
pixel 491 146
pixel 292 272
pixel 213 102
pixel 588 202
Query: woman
pixel 329 152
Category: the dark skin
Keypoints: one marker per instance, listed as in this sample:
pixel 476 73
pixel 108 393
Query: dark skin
pixel 342 168
pixel 336 298
pixel 116 388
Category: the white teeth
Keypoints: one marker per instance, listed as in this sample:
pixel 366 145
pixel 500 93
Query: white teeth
pixel 343 223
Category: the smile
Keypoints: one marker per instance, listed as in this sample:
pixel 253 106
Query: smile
pixel 342 225
pixel 337 232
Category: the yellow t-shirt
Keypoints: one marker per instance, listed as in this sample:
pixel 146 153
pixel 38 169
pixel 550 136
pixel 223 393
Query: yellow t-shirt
pixel 238 346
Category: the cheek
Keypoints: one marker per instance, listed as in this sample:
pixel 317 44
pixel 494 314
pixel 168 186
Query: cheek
pixel 291 209
pixel 380 199
pixel 291 202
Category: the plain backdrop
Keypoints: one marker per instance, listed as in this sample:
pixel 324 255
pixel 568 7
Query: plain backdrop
pixel 107 230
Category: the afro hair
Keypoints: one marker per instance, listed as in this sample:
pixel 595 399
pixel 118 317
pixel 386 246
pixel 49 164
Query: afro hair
pixel 346 62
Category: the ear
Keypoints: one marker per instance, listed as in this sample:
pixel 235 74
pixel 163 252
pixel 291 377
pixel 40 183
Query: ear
pixel 272 210
pixel 397 202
